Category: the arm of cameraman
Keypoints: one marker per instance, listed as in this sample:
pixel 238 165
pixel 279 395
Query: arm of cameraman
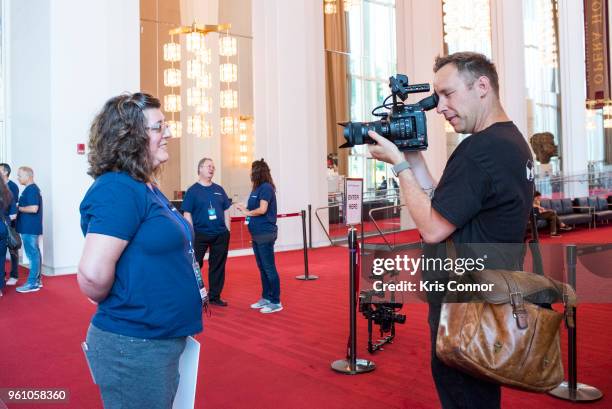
pixel 431 225
pixel 421 171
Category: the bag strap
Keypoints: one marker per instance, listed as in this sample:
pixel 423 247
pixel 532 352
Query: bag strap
pixel 516 300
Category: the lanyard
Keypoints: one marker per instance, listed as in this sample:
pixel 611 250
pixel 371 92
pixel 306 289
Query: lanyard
pixel 194 264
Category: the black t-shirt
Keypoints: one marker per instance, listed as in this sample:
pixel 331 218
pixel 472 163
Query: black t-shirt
pixel 486 190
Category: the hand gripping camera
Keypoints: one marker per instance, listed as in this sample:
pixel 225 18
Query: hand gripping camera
pixel 405 124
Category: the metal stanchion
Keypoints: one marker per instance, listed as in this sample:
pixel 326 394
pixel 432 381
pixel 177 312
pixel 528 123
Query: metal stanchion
pixel 571 389
pixel 310 226
pixel 306 276
pixel 353 365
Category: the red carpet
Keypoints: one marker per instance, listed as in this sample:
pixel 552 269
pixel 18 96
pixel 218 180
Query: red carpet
pixel 251 360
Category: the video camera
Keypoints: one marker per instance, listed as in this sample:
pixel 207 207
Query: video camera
pixel 405 125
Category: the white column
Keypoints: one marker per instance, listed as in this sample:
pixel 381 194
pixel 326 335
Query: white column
pixel 508 54
pixel 573 95
pixel 419 42
pixel 289 106
pixel 67 57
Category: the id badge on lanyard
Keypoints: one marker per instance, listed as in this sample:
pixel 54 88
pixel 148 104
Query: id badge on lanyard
pixel 198 276
pixel 212 213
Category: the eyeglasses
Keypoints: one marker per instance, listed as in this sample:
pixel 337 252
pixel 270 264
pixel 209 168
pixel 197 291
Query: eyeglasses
pixel 160 127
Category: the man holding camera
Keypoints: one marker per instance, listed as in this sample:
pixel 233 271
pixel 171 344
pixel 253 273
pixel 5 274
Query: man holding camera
pixel 484 195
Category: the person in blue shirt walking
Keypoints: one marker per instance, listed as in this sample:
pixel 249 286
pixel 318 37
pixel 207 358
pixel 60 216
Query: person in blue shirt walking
pixel 30 226
pixel 261 216
pixel 5 172
pixel 137 262
pixel 205 207
pixel 7 208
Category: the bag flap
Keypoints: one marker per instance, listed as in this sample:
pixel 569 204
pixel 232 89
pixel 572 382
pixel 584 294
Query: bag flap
pixel 533 287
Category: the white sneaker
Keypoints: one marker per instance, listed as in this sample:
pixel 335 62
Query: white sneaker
pixel 270 308
pixel 11 281
pixel 260 304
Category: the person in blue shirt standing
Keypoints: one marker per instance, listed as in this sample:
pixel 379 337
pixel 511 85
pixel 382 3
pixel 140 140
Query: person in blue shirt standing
pixel 5 172
pixel 205 207
pixel 7 208
pixel 30 226
pixel 137 262
pixel 261 217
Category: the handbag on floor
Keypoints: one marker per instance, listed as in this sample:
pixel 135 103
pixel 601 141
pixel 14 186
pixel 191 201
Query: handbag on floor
pixel 504 337
pixel 13 239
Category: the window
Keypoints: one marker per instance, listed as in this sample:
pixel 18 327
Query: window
pixel 542 74
pixel 372 60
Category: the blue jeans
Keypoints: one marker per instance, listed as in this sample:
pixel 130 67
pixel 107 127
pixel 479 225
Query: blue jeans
pixel 32 251
pixel 263 247
pixel 134 372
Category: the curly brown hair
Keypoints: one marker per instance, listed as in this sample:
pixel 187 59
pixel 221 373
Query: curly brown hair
pixel 5 196
pixel 118 139
pixel 260 174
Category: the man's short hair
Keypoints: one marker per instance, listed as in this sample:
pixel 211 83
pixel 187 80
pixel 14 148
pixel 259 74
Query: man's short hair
pixel 537 194
pixel 201 162
pixel 471 65
pixel 27 170
pixel 7 168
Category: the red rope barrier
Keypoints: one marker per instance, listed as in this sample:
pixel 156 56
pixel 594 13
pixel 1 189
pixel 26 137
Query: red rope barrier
pixel 278 216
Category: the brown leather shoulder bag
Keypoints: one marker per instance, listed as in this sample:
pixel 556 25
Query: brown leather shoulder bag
pixel 503 336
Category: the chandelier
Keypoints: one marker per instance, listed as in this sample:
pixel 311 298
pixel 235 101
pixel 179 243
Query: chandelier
pixel 244 140
pixel 331 6
pixel 199 79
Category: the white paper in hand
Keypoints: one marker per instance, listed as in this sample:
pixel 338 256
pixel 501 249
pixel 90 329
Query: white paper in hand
pixel 188 370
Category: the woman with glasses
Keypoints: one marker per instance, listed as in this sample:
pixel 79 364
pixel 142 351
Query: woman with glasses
pixel 137 262
pixel 261 216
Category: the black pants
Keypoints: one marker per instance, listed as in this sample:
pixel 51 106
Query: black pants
pixel 216 259
pixel 456 389
pixel 14 259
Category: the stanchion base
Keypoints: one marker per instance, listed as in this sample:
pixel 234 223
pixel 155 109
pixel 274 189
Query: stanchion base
pixel 307 278
pixel 584 393
pixel 362 366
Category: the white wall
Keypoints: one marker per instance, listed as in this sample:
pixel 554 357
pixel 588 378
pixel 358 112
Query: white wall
pixel 508 54
pixel 289 106
pixel 67 57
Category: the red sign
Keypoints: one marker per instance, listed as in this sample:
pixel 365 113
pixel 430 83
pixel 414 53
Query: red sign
pixel 596 52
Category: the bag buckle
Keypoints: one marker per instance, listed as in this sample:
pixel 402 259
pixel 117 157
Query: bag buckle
pixel 516 299
pixel 518 310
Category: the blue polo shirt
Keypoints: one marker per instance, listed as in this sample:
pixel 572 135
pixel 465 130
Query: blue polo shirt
pixel 198 200
pixel 30 223
pixel 155 294
pixel 266 223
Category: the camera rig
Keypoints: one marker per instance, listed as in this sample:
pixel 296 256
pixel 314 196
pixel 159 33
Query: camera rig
pixel 385 314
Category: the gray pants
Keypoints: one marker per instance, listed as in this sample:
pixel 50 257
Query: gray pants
pixel 133 372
